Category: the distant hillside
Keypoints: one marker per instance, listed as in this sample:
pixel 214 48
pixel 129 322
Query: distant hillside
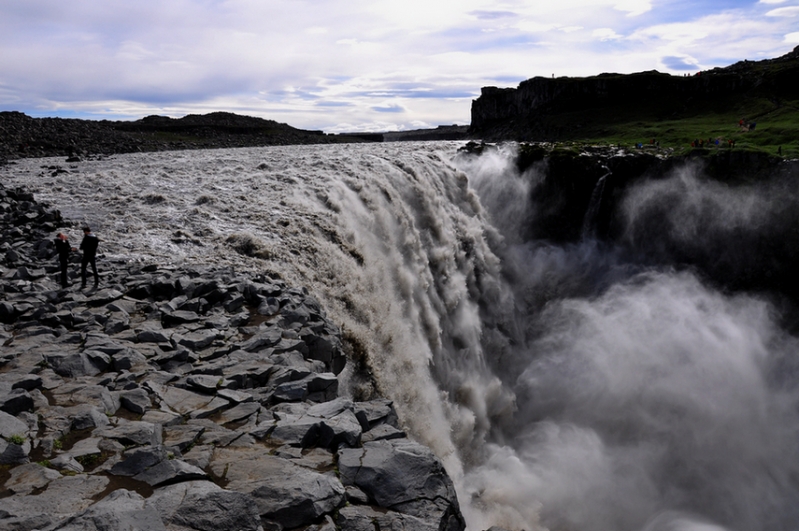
pixel 756 103
pixel 442 132
pixel 22 136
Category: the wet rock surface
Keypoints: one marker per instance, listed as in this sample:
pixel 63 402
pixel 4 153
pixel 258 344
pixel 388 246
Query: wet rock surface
pixel 175 398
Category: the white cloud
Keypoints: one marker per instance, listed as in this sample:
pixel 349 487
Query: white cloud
pixel 347 61
pixel 791 11
pixel 792 37
pixel 634 7
pixel 606 34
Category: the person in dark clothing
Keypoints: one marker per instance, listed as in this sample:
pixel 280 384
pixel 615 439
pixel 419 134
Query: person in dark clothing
pixel 63 249
pixel 89 247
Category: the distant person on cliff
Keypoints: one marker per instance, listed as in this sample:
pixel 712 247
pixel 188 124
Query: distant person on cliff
pixel 89 247
pixel 63 249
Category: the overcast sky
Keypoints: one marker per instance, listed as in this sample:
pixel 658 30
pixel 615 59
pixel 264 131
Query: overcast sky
pixel 346 65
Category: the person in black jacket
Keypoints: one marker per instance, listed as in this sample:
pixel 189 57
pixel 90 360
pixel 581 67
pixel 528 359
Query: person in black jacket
pixel 63 248
pixel 89 247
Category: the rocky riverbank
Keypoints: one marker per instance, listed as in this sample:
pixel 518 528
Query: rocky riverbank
pixel 187 398
pixel 23 137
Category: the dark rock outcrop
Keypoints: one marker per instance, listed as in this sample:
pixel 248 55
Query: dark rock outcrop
pixel 551 109
pixel 585 194
pixel 22 136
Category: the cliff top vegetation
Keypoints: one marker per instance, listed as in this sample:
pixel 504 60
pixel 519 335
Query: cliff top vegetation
pixel 748 105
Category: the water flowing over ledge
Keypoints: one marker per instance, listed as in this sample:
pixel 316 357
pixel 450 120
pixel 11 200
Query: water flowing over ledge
pixel 578 384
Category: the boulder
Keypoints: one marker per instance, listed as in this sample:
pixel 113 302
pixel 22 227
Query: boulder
pixel 85 417
pixel 11 425
pixel 28 382
pixel 16 401
pixel 8 313
pixel 12 453
pixel 135 400
pixel 151 336
pixel 137 460
pixel 403 476
pixel 332 432
pixel 74 365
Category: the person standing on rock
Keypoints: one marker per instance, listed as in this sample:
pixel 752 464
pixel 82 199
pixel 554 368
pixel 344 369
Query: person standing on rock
pixel 89 247
pixel 63 249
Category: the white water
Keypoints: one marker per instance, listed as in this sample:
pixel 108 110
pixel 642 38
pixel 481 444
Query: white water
pixel 561 387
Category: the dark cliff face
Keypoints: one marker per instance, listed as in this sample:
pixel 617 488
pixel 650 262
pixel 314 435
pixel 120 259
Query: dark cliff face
pixel 730 217
pixel 541 108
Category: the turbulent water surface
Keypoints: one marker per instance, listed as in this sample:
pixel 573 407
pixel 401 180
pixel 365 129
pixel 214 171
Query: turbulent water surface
pixel 564 386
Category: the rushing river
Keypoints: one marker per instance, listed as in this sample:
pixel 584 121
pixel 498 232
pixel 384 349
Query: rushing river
pixel 565 387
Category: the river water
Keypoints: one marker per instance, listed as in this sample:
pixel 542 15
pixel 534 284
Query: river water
pixel 565 387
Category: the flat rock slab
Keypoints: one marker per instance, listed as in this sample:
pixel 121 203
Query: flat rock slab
pixel 382 432
pixel 85 447
pixel 62 498
pixel 287 494
pixel 170 471
pixel 133 432
pixel 204 383
pixel 121 510
pixel 180 400
pixel 204 506
pixel 182 436
pixel 198 340
pixel 211 408
pixel 362 518
pixel 238 413
pixel 26 478
pixel 104 297
pixel 77 393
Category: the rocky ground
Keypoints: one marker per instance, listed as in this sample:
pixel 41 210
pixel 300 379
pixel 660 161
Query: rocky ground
pixel 187 399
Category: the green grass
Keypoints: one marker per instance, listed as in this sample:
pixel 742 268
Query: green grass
pixel 631 109
pixel 19 440
pixel 776 131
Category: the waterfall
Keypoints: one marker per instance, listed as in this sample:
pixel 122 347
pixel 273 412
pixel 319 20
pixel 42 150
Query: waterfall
pixel 589 221
pixel 564 386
